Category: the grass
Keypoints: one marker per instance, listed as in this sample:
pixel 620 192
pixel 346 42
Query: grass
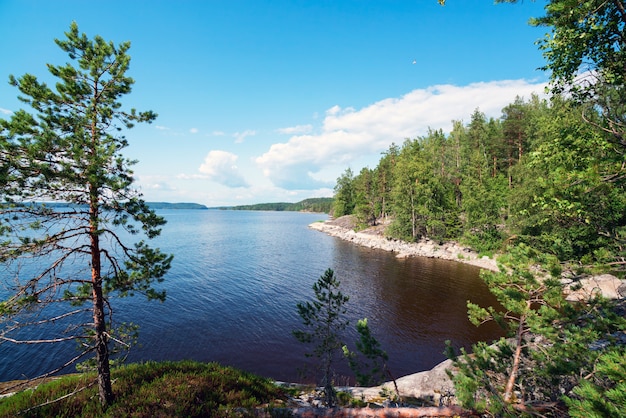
pixel 163 389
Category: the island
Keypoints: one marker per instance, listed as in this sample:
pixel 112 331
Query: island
pixel 317 204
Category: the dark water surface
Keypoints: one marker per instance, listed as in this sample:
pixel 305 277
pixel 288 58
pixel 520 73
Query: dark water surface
pixel 235 282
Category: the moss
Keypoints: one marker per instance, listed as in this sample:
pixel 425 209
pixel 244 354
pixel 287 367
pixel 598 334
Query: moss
pixel 165 389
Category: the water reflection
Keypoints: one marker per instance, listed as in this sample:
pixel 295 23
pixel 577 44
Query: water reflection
pixel 235 282
pixel 415 304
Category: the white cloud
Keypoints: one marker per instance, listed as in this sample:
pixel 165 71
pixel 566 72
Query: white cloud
pixel 193 130
pixel 241 136
pixel 294 130
pixel 184 176
pixel 218 133
pixel 5 111
pixel 154 183
pixel 162 128
pixel 348 134
pixel 221 167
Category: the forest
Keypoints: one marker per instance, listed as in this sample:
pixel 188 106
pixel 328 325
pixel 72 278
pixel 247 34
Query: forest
pixel 314 204
pixel 540 175
pixel 541 189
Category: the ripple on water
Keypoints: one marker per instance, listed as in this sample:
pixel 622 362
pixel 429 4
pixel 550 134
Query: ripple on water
pixel 236 279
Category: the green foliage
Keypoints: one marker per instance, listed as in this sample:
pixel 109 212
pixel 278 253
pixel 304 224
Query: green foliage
pixel 68 151
pixel 567 205
pixel 604 394
pixel 550 174
pixel 370 368
pixel 345 201
pixel 486 242
pixel 585 59
pixel 323 320
pixel 422 201
pixel 587 36
pixel 489 379
pixel 366 205
pixel 565 168
pixel 478 382
pixel 553 345
pixel 319 204
pixel 166 389
pixel 528 303
pixel 540 175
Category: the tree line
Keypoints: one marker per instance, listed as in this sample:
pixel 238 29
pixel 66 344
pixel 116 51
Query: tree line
pixel 539 175
pixel 315 204
pixel 543 185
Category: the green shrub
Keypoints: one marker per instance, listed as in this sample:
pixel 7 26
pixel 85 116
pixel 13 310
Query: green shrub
pixel 167 389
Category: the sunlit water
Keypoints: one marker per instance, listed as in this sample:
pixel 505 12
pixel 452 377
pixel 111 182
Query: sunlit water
pixel 235 282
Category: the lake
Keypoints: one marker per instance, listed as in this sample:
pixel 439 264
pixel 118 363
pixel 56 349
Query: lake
pixel 238 275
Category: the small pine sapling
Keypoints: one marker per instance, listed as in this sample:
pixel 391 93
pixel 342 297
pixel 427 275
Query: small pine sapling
pixel 323 319
pixel 370 368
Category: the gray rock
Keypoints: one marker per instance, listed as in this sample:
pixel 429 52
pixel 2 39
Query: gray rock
pixel 606 285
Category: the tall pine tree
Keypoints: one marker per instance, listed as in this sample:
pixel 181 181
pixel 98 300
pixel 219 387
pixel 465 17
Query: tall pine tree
pixel 69 150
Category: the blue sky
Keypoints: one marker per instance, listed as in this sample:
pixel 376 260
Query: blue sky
pixel 271 100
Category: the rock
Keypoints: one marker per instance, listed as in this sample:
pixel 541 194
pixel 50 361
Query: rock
pixel 430 384
pixel 606 285
pixel 425 248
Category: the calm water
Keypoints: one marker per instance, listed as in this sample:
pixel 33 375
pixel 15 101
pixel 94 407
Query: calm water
pixel 235 281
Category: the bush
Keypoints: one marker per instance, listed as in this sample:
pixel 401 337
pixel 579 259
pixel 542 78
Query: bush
pixel 167 389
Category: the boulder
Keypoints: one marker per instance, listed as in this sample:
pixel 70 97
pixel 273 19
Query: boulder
pixel 606 285
pixel 428 385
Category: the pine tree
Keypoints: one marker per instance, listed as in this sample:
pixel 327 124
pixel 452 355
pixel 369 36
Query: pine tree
pixel 344 194
pixel 553 346
pixel 69 151
pixel 490 378
pixel 370 367
pixel 604 393
pixel 323 319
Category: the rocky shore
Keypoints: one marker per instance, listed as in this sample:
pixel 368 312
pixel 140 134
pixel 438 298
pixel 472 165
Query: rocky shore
pixel 373 237
pixel 576 289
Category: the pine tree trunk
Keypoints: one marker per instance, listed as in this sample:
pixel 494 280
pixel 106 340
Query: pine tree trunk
pixel 510 384
pixel 102 349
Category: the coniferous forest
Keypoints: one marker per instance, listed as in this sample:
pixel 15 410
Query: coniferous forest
pixel 540 175
pixel 542 189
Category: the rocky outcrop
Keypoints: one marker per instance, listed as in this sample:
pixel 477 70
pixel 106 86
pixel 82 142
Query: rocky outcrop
pixel 449 411
pixel 584 290
pixel 581 290
pixel 431 386
pixel 424 248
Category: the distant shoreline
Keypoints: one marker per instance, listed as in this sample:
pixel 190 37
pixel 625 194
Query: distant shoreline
pixel 151 205
pixel 167 205
pixel 312 205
